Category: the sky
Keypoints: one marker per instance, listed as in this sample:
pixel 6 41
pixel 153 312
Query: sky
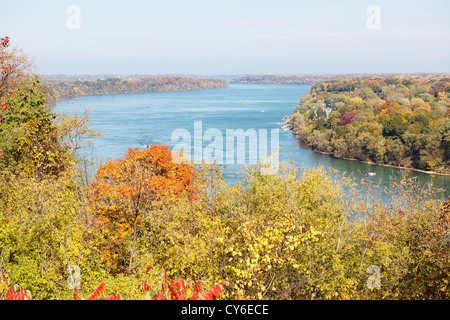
pixel 231 37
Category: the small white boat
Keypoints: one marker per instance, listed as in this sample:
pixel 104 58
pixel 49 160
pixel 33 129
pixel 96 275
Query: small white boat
pixel 371 174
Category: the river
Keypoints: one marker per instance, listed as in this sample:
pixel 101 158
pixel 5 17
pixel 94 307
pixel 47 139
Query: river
pixel 140 119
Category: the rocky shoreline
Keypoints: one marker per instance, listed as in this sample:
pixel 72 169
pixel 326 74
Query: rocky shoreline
pixel 286 126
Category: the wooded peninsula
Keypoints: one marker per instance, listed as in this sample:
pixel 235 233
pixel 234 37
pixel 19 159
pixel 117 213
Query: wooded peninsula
pixel 401 120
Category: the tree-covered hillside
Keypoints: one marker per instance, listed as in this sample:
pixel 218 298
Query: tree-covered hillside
pixel 399 120
pixel 290 78
pixel 147 218
pixel 69 89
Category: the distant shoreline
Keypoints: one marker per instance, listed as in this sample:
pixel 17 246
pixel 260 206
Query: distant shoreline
pixel 309 79
pixel 114 93
pixel 64 90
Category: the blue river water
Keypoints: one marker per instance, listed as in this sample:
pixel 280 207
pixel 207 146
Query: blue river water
pixel 141 119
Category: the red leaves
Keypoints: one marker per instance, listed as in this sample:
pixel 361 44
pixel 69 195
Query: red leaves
pixel 192 297
pixel 144 286
pixel 182 290
pixel 148 269
pixel 208 296
pixel 75 296
pixel 113 297
pixel 4 42
pixel 216 290
pixel 178 290
pixel 11 290
pixel 198 287
pixel 4 105
pixel 21 295
pixel 11 294
pixel 213 293
pixel 96 294
pixel 347 118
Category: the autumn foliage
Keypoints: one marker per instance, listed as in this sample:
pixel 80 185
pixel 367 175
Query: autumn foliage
pixel 149 173
pixel 28 137
pixel 126 191
pixel 97 294
pixel 180 290
pixel 295 234
pixel 400 120
pixel 12 294
pixel 15 67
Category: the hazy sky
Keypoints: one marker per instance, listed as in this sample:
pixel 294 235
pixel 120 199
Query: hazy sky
pixel 229 37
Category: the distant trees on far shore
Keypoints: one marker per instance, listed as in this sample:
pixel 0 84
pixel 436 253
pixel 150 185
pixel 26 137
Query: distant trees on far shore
pixel 58 90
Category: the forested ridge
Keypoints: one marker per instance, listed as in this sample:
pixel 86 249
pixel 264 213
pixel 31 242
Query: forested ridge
pixel 58 90
pixel 148 226
pixel 401 120
pixel 306 79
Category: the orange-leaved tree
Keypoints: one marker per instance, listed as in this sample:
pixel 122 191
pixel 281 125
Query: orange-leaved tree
pixel 125 198
pixel 15 68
